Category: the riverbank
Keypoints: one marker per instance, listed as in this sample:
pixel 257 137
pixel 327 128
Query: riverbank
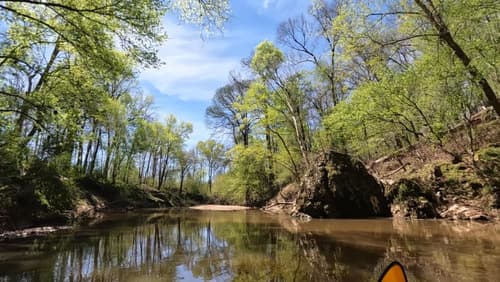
pixel 28 207
pixel 219 208
pixel 88 211
pixel 424 181
pixel 453 180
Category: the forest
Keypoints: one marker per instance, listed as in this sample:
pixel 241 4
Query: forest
pixel 365 78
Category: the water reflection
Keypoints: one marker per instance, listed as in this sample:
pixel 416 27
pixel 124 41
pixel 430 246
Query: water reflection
pixel 252 246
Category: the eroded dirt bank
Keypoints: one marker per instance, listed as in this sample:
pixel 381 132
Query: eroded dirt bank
pixel 424 181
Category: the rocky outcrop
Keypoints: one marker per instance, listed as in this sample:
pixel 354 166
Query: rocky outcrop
pixel 338 186
pixel 408 198
pixel 334 187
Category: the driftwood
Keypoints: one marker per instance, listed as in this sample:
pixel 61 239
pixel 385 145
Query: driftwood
pixel 371 165
pixel 381 159
pixel 396 170
pixel 279 203
pixel 31 232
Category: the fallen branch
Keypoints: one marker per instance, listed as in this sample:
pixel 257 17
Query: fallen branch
pixel 280 203
pixel 396 170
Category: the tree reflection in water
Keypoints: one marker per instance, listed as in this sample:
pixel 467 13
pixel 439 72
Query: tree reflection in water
pixel 246 246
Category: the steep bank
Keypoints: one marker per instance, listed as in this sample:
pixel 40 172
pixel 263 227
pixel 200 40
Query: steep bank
pixel 424 181
pixel 446 190
pixel 52 200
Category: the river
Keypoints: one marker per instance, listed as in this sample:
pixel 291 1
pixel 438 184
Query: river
pixel 190 245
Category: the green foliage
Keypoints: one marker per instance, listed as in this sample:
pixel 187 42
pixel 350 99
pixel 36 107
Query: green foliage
pixel 400 109
pixel 408 190
pixel 225 187
pixel 49 189
pixel 489 163
pixel 69 101
pixel 249 174
pixel 212 153
pixel 352 76
pixel 489 154
pixel 367 78
pixel 246 182
pixel 267 59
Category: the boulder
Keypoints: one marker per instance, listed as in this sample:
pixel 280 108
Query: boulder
pixel 337 186
pixel 414 208
pixel 410 199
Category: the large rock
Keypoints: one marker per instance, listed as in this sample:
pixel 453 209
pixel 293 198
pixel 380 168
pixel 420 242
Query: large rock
pixel 337 186
pixel 334 187
pixel 409 198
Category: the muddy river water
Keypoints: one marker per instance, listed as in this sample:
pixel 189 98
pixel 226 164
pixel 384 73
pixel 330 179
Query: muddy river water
pixel 191 245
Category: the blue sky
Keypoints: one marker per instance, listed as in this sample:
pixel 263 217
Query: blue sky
pixel 194 68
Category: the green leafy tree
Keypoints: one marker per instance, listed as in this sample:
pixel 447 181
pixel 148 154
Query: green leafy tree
pixel 213 155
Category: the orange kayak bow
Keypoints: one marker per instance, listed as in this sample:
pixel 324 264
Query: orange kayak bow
pixel 393 273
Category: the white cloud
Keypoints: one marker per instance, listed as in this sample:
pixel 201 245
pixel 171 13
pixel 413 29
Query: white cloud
pixel 286 6
pixel 265 4
pixel 192 67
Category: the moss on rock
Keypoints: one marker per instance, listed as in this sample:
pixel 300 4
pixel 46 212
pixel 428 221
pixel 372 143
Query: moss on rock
pixel 410 198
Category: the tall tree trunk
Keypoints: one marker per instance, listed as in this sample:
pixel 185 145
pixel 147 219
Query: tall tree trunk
pixel 127 168
pixel 96 150
pixel 246 133
pixel 129 162
pixel 164 169
pixel 115 168
pixel 79 157
pixel 183 174
pixel 210 172
pixel 154 167
pixel 25 107
pixel 147 168
pixel 87 154
pixel 142 169
pixel 161 169
pixel 109 150
pixel 269 145
pixel 445 35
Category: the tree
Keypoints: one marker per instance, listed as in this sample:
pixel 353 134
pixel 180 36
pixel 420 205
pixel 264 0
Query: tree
pixel 171 138
pixel 286 95
pixel 213 154
pixel 65 66
pixel 224 114
pixel 82 34
pixel 248 173
pixel 453 23
pixel 312 40
pixel 185 161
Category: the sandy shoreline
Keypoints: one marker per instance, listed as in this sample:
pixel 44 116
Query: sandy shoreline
pixel 219 208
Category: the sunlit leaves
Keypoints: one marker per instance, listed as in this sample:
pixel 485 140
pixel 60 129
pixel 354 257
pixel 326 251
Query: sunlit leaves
pixel 267 59
pixel 211 14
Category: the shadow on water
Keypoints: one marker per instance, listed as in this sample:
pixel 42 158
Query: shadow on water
pixel 252 246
